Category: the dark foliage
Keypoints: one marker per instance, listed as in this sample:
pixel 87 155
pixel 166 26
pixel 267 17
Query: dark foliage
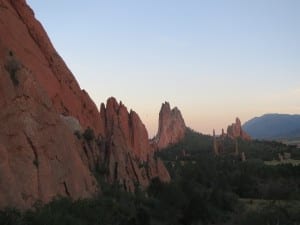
pixel 77 134
pixel 272 214
pixel 36 163
pixel 12 66
pixel 89 134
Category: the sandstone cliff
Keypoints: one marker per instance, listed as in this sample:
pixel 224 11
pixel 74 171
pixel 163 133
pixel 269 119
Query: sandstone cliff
pixel 42 107
pixel 171 128
pixel 39 154
pixel 235 131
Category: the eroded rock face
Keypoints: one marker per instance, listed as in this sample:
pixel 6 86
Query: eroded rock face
pixel 39 154
pixel 38 97
pixel 128 156
pixel 23 35
pixel 235 131
pixel 171 128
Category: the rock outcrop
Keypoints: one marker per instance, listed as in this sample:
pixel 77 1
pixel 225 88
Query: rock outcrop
pixel 44 115
pixel 129 157
pixel 235 131
pixel 39 154
pixel 171 128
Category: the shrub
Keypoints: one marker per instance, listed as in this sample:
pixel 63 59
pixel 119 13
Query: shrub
pixel 12 67
pixel 77 134
pixel 10 217
pixel 89 134
pixel 36 163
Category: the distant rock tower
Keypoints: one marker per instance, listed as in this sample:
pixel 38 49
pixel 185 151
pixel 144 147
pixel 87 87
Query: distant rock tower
pixel 215 144
pixel 223 133
pixel 235 131
pixel 171 127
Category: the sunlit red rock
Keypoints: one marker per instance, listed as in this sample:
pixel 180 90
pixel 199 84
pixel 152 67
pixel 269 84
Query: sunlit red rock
pixel 22 34
pixel 39 154
pixel 171 128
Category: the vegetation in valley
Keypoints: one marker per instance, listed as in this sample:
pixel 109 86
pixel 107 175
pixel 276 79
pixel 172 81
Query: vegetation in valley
pixel 205 189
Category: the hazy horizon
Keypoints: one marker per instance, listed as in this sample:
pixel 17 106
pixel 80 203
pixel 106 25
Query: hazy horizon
pixel 215 61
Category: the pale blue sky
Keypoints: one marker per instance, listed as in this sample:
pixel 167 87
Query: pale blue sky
pixel 214 59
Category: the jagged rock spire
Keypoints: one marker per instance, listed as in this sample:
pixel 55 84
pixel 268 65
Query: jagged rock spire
pixel 171 128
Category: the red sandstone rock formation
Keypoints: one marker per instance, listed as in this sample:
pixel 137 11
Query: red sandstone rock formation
pixel 39 154
pixel 22 34
pixel 128 155
pixel 235 131
pixel 42 106
pixel 171 127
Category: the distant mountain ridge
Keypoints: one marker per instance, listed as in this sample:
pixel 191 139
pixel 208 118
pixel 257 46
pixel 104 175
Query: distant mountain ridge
pixel 273 126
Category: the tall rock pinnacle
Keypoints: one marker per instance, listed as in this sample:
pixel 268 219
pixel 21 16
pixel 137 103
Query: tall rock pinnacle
pixel 171 128
pixel 128 154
